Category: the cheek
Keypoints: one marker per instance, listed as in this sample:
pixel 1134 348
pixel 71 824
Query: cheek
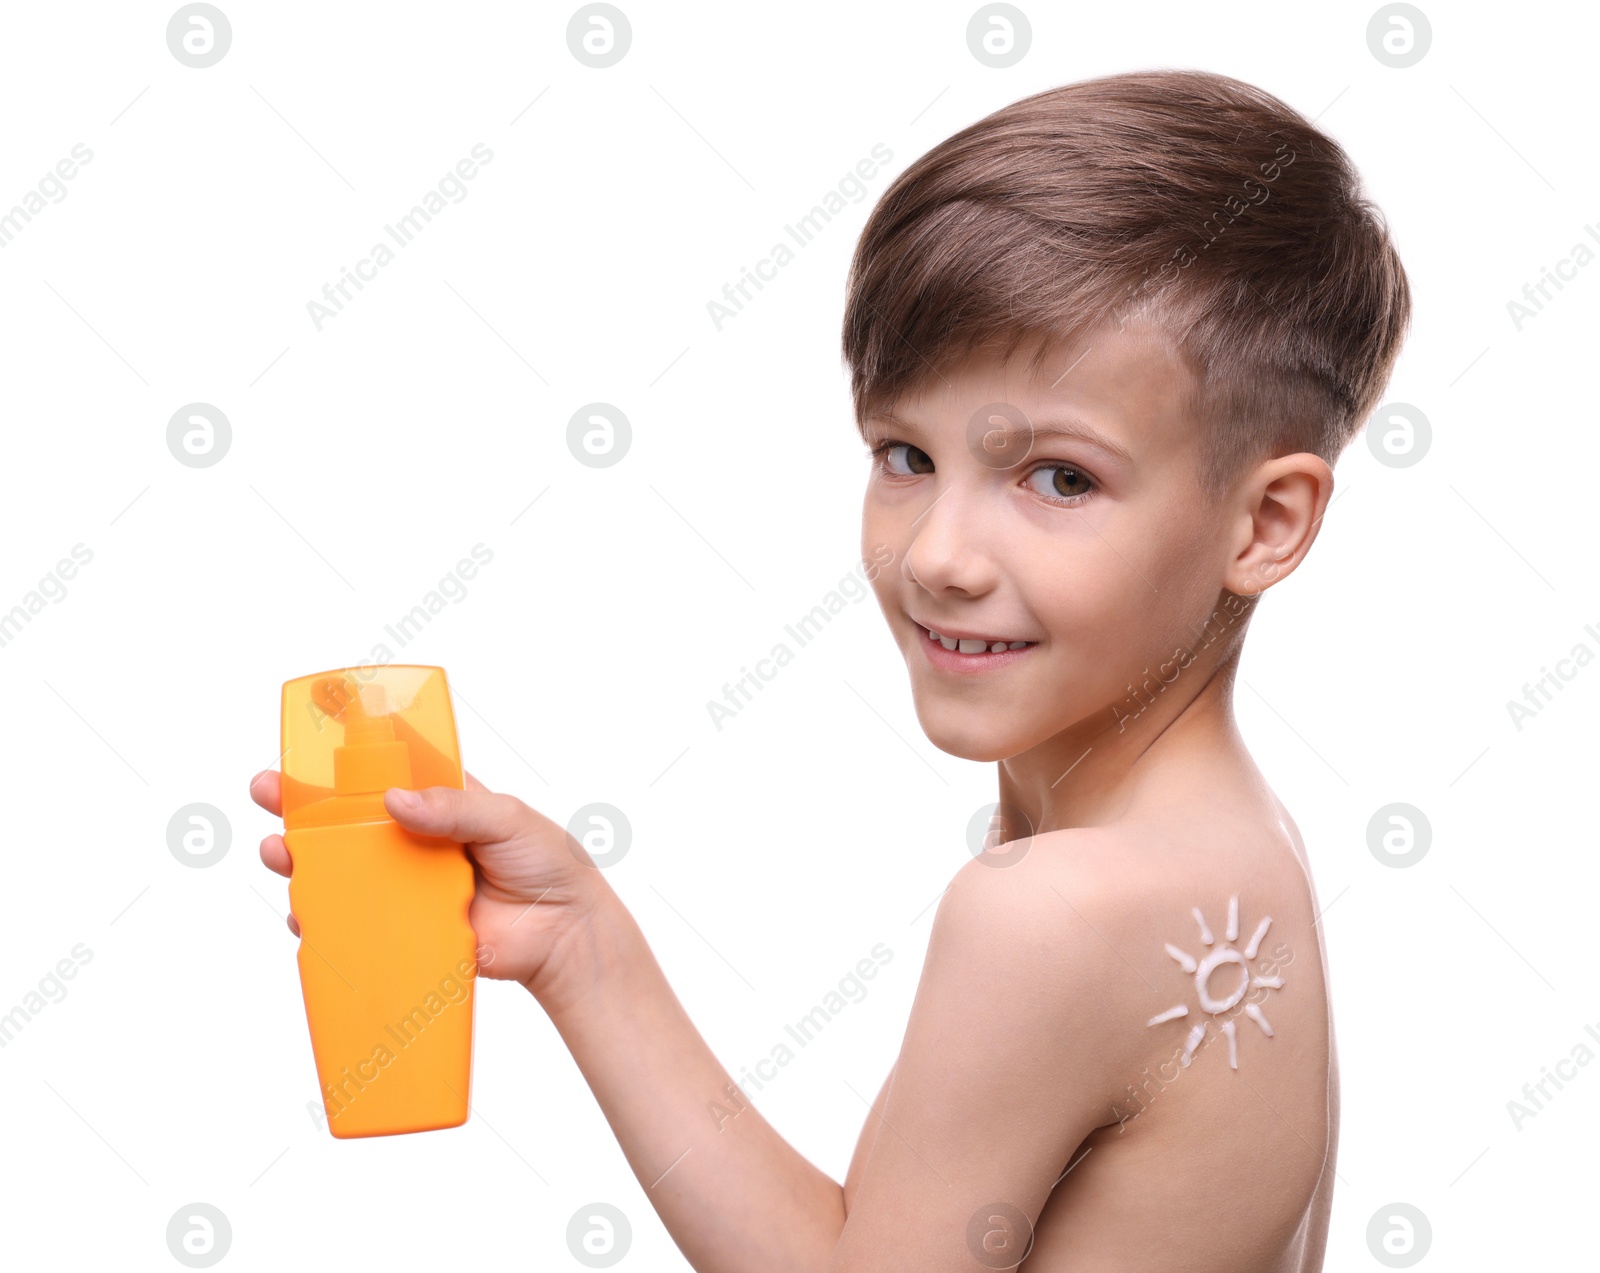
pixel 881 528
pixel 1091 597
pixel 1137 568
pixel 882 585
pixel 1106 611
pixel 882 550
pixel 1188 574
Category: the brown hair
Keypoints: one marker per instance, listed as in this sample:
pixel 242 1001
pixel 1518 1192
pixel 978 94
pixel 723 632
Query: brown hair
pixel 1103 199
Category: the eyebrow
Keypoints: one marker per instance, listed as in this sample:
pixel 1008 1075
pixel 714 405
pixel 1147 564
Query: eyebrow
pixel 1064 427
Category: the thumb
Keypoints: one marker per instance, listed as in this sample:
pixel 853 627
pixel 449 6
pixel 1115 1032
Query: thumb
pixel 471 817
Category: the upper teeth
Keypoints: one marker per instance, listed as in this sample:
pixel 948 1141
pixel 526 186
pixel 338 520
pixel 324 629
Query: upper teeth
pixel 975 645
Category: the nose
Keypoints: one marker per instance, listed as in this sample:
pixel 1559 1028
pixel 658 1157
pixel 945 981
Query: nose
pixel 946 552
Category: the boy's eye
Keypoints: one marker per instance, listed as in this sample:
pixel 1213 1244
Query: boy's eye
pixel 1063 482
pixel 915 458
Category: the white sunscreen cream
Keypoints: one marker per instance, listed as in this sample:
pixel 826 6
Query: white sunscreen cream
pixel 1220 958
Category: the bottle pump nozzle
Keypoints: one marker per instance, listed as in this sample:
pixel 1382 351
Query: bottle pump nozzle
pixel 371 759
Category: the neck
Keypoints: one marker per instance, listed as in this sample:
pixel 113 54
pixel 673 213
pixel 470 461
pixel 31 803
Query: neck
pixel 1089 774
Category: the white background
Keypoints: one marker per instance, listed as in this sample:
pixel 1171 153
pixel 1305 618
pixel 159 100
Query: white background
pixel 769 857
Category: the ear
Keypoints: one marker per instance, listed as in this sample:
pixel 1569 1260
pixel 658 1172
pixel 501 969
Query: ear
pixel 1280 508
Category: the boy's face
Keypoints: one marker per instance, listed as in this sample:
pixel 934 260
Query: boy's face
pixel 1002 530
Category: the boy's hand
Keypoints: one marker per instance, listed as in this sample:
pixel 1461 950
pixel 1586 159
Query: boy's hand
pixel 534 882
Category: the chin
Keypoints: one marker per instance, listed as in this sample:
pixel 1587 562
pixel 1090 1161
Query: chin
pixel 959 734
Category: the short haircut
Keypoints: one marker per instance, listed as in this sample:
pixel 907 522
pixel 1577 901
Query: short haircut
pixel 1194 200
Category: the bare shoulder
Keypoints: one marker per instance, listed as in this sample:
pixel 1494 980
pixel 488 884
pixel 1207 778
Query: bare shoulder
pixel 1124 923
pixel 1056 922
pixel 1127 879
pixel 1102 887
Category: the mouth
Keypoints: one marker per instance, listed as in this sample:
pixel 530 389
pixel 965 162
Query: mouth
pixel 970 651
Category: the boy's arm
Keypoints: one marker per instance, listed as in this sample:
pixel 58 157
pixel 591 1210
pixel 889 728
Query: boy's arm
pixel 732 1192
pixel 1017 1040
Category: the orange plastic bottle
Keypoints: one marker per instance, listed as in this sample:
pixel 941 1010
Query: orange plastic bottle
pixel 387 962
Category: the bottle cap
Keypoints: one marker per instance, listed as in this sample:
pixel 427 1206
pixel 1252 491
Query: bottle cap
pixel 355 731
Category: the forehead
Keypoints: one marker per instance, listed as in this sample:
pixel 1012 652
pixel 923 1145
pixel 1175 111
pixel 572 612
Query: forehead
pixel 1130 384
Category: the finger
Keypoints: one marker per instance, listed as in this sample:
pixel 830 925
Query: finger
pixel 472 817
pixel 294 924
pixel 275 854
pixel 267 791
pixel 472 783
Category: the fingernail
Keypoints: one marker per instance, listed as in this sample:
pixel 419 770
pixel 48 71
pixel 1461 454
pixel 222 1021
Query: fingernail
pixel 408 800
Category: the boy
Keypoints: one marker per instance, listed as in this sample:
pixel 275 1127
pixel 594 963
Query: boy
pixel 1120 1055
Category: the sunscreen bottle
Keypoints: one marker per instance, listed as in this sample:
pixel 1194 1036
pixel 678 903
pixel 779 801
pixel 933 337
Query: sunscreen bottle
pixel 387 955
